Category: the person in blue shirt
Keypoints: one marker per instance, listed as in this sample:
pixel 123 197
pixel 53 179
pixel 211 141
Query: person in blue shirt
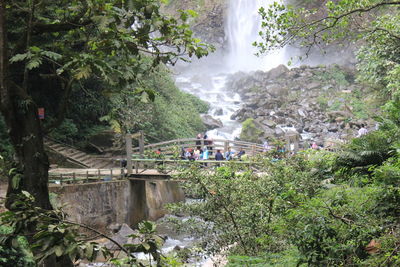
pixel 241 153
pixel 205 153
pixel 229 154
pixel 218 155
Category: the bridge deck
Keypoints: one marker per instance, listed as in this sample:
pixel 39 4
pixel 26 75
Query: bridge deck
pixel 154 169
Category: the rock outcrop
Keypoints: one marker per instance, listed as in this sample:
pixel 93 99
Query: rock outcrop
pixel 209 24
pixel 210 122
pixel 317 102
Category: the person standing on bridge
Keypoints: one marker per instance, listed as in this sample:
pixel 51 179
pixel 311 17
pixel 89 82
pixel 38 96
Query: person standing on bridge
pixel 210 147
pixel 196 154
pixel 218 155
pixel 240 153
pixel 205 137
pixel 198 142
pixel 229 154
pixel 205 153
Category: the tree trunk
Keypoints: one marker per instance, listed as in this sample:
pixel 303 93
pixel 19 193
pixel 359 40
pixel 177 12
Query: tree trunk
pixel 24 127
pixel 20 114
pixel 27 139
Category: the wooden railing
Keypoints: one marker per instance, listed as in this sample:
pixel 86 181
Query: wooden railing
pixel 87 176
pixel 167 166
pixel 175 148
pixel 168 147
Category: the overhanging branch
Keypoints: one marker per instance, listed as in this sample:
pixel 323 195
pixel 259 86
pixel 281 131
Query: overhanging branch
pixel 73 23
pixel 322 26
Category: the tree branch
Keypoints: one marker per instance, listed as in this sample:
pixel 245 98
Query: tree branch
pixel 335 20
pixel 391 34
pixel 341 218
pixel 71 24
pixel 59 27
pixel 100 234
pixel 232 218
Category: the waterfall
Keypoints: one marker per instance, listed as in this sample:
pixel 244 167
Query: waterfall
pixel 241 29
pixel 207 77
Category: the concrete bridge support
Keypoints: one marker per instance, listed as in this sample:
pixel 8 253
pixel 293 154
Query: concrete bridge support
pixel 127 201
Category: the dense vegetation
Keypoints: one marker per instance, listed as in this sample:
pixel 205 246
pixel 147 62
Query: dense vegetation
pixel 171 114
pixel 315 208
pixel 52 52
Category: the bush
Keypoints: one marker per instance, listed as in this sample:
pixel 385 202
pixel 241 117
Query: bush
pixel 333 228
pixel 250 132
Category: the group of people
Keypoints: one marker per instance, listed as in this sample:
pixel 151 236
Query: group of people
pixel 204 153
pixel 203 149
pixel 195 154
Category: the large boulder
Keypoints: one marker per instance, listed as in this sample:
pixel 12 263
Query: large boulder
pixel 210 122
pixel 121 237
pixel 277 72
pixel 277 90
pixel 218 112
pixel 338 115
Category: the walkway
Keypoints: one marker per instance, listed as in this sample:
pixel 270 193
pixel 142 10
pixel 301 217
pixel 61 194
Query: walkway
pixel 76 156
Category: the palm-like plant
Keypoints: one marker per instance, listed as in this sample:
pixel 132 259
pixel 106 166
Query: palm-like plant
pixel 369 150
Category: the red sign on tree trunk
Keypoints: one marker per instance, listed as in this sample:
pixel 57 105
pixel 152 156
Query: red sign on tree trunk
pixel 41 113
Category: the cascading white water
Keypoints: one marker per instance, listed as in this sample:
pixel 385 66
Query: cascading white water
pixel 242 27
pixel 208 77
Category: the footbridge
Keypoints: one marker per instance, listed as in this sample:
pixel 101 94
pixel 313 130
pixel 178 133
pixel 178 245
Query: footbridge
pixel 142 162
pixel 171 152
pixel 156 160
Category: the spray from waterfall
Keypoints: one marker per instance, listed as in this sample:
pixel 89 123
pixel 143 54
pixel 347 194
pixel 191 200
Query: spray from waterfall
pixel 241 29
pixel 207 78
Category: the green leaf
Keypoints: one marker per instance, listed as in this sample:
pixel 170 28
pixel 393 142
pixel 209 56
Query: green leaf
pixel 14 242
pixel 52 55
pixel 192 13
pixel 59 250
pixel 34 63
pixel 89 251
pixel 35 49
pixel 15 181
pixel 83 72
pixel 19 57
pixel 146 246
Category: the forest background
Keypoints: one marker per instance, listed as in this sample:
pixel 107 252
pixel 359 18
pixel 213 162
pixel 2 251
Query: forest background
pixel 317 208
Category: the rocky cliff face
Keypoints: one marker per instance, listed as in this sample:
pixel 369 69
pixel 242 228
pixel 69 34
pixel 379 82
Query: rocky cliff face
pixel 319 103
pixel 209 24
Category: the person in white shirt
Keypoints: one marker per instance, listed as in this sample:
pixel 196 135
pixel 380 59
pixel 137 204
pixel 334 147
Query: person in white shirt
pixel 362 131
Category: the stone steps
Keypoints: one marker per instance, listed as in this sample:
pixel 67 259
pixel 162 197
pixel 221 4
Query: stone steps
pixel 77 156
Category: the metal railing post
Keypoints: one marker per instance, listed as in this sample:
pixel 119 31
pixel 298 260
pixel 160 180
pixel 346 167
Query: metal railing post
pixel 128 146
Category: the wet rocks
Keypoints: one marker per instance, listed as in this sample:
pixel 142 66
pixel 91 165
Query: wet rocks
pixel 211 122
pixel 218 112
pixel 311 100
pixel 122 236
